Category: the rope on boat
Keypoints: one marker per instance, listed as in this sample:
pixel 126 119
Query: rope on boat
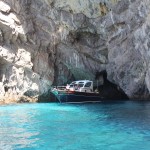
pixel 58 97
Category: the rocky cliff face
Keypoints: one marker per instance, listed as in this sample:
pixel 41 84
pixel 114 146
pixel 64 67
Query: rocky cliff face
pixel 47 42
pixel 128 45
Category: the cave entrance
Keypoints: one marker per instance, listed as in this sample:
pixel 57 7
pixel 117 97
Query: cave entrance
pixel 109 90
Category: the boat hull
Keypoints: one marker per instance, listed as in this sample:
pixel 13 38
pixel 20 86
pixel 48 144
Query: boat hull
pixel 77 97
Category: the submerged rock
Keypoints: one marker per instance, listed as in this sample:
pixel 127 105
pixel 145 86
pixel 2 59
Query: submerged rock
pixel 13 99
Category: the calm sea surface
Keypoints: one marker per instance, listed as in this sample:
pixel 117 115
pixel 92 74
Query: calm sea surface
pixel 99 126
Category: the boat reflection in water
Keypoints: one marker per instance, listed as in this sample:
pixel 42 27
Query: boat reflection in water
pixel 77 91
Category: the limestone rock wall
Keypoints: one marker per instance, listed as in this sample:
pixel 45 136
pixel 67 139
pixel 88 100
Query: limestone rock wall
pixel 47 42
pixel 128 47
pixel 41 44
pixel 25 67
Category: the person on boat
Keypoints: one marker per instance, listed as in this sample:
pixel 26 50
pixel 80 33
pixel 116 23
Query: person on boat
pixel 76 86
pixel 96 90
pixel 67 87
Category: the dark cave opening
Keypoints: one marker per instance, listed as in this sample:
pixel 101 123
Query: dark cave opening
pixel 108 90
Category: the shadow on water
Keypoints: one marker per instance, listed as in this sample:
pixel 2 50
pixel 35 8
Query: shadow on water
pixel 126 115
pixel 47 97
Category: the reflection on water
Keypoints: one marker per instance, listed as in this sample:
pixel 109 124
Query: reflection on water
pixel 117 125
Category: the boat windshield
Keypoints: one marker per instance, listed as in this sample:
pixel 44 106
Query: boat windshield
pixel 80 84
pixel 71 85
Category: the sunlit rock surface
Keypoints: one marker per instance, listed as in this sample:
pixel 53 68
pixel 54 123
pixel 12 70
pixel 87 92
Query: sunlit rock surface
pixel 128 44
pixel 52 42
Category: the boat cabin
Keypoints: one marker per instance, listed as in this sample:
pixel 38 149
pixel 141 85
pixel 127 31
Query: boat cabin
pixel 81 86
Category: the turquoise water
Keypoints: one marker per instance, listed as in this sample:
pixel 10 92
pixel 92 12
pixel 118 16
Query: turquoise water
pixel 100 126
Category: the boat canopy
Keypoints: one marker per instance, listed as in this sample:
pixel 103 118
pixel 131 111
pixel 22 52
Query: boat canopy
pixel 81 85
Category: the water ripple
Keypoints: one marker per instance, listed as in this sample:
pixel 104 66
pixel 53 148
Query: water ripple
pixel 106 126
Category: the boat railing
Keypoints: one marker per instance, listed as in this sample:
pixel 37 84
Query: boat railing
pixel 60 87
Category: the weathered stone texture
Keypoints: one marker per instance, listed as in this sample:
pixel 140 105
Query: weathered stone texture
pixel 45 42
pixel 128 48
